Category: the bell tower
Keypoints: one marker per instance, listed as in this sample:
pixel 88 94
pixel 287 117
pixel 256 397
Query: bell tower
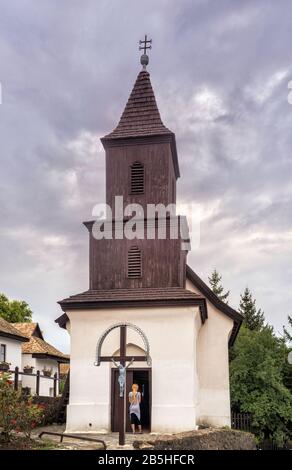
pixel 142 167
pixel 141 155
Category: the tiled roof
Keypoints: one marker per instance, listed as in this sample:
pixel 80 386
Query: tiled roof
pixel 141 115
pixel 7 329
pixel 36 345
pixel 28 329
pixel 39 346
pixel 143 294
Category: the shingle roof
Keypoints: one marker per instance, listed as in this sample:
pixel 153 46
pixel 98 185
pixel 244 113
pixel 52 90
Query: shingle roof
pixel 29 329
pixel 141 116
pixel 124 298
pixel 39 346
pixel 222 306
pixel 8 330
pixel 129 295
pixel 36 345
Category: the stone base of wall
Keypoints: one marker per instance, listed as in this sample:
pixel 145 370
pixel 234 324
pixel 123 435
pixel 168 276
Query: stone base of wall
pixel 202 439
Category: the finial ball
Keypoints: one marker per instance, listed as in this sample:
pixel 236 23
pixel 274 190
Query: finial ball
pixel 144 60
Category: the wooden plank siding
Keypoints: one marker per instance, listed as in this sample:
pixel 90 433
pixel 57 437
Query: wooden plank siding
pixel 159 175
pixel 163 261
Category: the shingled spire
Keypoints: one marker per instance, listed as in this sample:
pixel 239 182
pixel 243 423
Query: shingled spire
pixel 141 116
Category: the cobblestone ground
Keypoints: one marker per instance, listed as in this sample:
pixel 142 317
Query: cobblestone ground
pixel 111 439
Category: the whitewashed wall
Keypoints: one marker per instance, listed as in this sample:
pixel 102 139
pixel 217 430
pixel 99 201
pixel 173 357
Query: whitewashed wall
pixel 13 352
pixel 46 385
pixel 172 336
pixel 213 367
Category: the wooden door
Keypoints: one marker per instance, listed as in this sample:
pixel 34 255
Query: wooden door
pixel 132 375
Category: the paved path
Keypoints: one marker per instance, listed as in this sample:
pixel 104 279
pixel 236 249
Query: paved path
pixel 111 439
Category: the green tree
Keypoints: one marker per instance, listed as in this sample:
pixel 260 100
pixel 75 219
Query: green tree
pixel 287 369
pixel 216 286
pixel 14 311
pixel 254 319
pixel 287 334
pixel 257 385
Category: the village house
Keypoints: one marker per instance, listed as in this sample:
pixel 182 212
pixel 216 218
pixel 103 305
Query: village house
pixel 144 302
pixel 11 340
pixel 38 355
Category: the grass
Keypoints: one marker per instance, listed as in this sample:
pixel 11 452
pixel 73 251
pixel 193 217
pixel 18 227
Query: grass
pixel 22 443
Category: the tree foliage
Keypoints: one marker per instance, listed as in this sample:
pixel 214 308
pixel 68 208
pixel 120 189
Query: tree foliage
pixel 288 334
pixel 254 319
pixel 287 370
pixel 216 286
pixel 257 382
pixel 14 311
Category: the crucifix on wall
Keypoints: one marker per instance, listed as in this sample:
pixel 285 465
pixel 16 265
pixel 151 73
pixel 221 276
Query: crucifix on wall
pixel 120 362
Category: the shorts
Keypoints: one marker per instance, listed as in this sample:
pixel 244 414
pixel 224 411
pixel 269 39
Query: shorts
pixel 135 419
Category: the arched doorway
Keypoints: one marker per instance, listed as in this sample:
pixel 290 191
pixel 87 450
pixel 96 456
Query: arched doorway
pixel 120 361
pixel 142 377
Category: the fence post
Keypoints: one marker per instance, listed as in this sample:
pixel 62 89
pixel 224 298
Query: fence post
pixel 16 375
pixel 38 383
pixel 55 384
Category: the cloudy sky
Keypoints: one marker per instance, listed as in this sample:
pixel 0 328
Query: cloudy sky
pixel 220 71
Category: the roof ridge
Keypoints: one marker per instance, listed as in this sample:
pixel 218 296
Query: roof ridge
pixel 218 303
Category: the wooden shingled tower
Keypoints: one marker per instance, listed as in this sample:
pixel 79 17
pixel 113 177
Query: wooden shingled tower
pixel 142 167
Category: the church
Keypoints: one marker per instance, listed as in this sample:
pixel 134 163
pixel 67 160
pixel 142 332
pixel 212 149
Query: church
pixel 145 309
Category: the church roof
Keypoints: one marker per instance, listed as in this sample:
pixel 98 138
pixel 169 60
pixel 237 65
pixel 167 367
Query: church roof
pixel 131 295
pixel 141 116
pixel 141 297
pixel 218 303
pixel 146 297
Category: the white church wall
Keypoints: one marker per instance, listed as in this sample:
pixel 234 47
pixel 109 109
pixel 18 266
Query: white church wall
pixel 172 337
pixel 213 367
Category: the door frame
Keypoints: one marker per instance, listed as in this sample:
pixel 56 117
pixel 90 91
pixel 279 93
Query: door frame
pixel 134 369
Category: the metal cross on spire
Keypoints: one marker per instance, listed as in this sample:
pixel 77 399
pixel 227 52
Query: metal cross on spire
pixel 143 46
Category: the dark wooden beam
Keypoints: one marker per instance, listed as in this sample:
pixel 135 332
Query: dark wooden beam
pixel 127 358
pixel 123 344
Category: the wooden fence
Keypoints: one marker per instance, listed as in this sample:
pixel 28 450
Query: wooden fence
pixel 17 373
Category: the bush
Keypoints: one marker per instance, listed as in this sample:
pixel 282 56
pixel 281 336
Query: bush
pixel 50 407
pixel 9 402
pixel 29 416
pixel 17 413
pixel 257 386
